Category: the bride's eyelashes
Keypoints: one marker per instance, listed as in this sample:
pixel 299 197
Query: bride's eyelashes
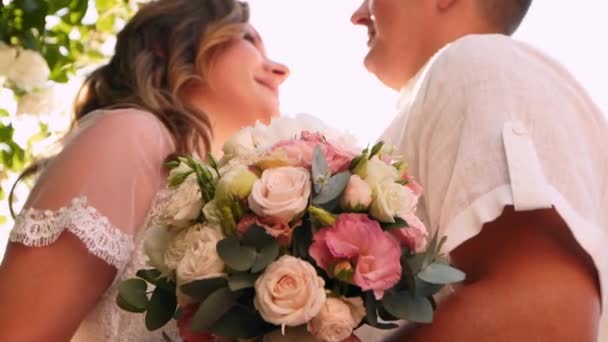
pixel 250 38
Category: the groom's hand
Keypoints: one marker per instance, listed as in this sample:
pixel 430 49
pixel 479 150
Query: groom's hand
pixel 527 280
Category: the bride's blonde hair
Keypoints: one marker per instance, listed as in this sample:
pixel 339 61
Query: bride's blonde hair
pixel 167 45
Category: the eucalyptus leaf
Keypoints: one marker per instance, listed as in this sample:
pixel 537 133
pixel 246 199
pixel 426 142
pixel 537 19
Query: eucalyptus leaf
pixel 333 189
pixel 132 293
pixel 437 273
pixel 404 306
pixel 241 281
pixel 123 304
pixel 301 241
pixel 201 289
pixel 257 237
pixel 266 256
pixel 161 309
pixel 154 277
pixel 371 310
pixel 212 309
pixel 235 256
pixel 426 289
pixel 241 323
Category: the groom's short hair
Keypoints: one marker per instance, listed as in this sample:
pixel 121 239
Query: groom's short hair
pixel 505 14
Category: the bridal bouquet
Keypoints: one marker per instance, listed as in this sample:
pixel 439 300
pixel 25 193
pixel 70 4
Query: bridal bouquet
pixel 291 228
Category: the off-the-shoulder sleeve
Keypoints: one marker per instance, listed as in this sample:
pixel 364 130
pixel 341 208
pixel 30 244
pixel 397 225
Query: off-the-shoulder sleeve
pixel 509 127
pixel 100 187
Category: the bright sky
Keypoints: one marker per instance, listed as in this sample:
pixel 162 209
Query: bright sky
pixel 325 53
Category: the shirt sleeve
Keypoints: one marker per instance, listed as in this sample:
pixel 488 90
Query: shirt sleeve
pixel 509 128
pixel 100 187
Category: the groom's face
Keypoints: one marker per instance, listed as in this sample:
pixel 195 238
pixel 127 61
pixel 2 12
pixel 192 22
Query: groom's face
pixel 399 32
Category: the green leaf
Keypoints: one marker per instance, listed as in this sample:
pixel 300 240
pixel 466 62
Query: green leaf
pixel 212 309
pixel 437 273
pixel 78 8
pixel 123 304
pixel 402 305
pixel 132 293
pixel 398 224
pixel 376 149
pixel 241 323
pixel 333 189
pixel 161 309
pixel 408 276
pixel 266 256
pixel 241 281
pixel 166 337
pixel 153 276
pixel 371 310
pixel 235 256
pixel 426 289
pixel 301 241
pixel 201 289
pixel 320 169
pixel 257 237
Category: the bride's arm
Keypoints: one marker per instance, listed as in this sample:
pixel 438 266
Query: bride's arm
pixel 528 280
pixel 76 234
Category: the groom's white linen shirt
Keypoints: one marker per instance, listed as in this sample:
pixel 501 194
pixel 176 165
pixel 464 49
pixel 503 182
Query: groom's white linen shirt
pixel 490 122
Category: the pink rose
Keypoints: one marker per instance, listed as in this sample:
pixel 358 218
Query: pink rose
pixel 337 320
pixel 357 195
pixel 300 152
pixel 280 230
pixel 415 237
pixel 374 253
pixel 412 184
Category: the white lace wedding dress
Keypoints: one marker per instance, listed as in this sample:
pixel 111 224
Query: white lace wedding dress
pixel 116 192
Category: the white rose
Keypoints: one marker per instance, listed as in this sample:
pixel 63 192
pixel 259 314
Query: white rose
pixel 240 145
pixel 357 194
pixel 337 320
pixel 156 241
pixel 289 292
pixel 201 260
pixel 38 102
pixel 185 205
pixel 391 200
pixel 180 241
pixel 380 172
pixel 29 71
pixel 281 193
pixel 8 54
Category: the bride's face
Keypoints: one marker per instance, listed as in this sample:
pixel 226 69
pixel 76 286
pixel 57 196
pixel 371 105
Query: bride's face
pixel 242 81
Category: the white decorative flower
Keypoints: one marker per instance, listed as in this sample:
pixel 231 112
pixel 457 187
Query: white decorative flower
pixel 8 54
pixel 392 200
pixel 281 193
pixel 185 205
pixel 380 172
pixel 29 71
pixel 201 260
pixel 39 102
pixel 235 184
pixel 240 144
pixel 156 241
pixel 176 249
pixel 337 320
pixel 357 195
pixel 289 292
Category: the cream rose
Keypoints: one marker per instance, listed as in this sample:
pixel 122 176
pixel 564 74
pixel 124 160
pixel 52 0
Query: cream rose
pixel 240 145
pixel 180 241
pixel 8 55
pixel 337 320
pixel 391 200
pixel 380 172
pixel 157 240
pixel 281 193
pixel 29 71
pixel 289 292
pixel 357 195
pixel 201 260
pixel 185 205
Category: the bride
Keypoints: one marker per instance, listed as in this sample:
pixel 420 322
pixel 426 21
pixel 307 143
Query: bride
pixel 185 76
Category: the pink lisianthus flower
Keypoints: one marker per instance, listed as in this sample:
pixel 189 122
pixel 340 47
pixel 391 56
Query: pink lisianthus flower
pixel 415 236
pixel 374 254
pixel 299 152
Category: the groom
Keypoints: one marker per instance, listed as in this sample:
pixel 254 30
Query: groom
pixel 511 152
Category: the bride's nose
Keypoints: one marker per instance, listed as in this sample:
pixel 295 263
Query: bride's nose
pixel 279 71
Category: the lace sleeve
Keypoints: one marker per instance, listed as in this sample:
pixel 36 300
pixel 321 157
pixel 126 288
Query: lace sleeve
pixel 100 187
pixel 38 228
